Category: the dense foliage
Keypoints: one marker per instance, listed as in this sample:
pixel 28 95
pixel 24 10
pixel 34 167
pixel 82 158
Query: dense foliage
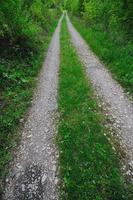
pixel 23 21
pixel 114 16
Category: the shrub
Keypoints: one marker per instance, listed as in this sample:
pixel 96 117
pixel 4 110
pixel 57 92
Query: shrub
pixel 23 22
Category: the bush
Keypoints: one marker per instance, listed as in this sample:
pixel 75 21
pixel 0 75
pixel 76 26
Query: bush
pixel 23 22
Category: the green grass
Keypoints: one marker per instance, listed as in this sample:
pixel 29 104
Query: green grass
pixel 89 168
pixel 118 57
pixel 18 80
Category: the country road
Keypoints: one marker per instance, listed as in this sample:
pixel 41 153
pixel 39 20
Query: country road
pixel 33 174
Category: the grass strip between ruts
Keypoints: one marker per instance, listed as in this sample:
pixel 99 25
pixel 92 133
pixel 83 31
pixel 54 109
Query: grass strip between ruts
pixel 89 167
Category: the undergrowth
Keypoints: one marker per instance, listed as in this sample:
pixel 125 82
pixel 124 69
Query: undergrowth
pixel 89 167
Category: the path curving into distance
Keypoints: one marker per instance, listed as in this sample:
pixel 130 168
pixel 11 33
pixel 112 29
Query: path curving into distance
pixel 118 105
pixel 34 170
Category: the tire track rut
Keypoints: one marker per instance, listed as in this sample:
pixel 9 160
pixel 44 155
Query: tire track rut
pixel 119 107
pixel 33 174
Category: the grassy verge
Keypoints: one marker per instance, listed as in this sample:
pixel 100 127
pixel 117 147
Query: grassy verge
pixel 117 56
pixel 89 167
pixel 18 80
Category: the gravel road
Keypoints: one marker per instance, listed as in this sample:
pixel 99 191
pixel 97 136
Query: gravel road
pixel 33 174
pixel 34 171
pixel 112 94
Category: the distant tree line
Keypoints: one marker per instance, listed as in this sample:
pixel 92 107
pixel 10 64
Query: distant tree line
pixel 114 16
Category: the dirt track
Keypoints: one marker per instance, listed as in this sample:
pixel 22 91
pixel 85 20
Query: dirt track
pixel 33 174
pixel 112 94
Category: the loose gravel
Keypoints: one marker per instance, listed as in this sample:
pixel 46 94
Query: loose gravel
pixel 119 107
pixel 34 170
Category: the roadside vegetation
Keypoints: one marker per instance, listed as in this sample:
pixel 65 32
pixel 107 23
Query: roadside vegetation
pixel 106 26
pixel 89 167
pixel 26 28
